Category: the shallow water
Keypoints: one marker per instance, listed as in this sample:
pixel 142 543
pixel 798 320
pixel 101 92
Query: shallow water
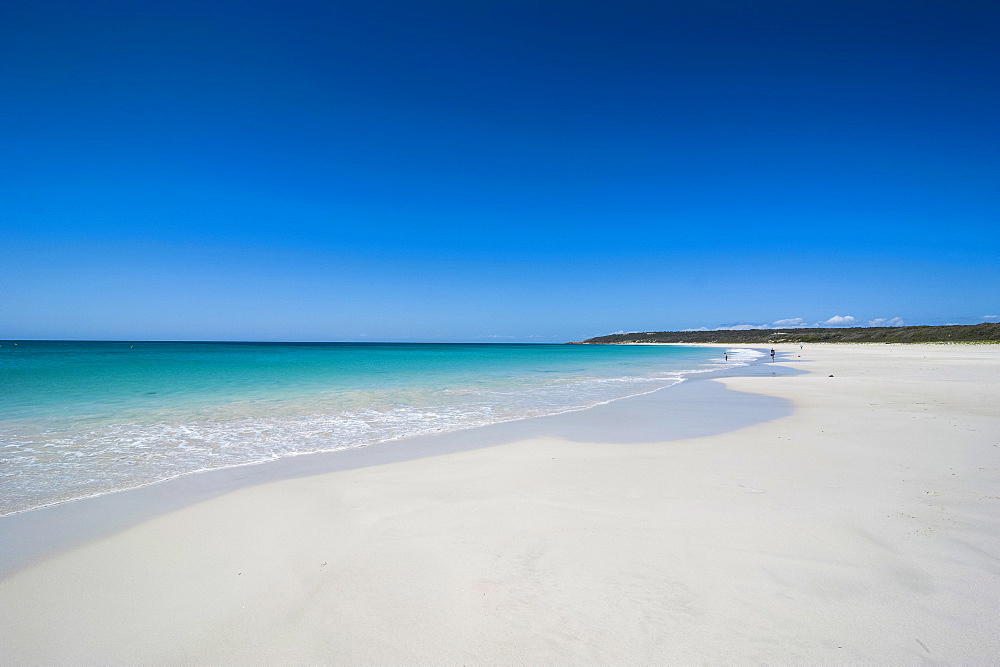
pixel 79 419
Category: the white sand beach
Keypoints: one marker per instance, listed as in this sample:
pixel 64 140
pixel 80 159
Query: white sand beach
pixel 863 527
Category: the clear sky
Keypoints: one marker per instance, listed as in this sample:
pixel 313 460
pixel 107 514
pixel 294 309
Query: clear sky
pixel 509 171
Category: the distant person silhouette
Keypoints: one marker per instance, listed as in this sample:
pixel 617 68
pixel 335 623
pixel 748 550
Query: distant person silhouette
pixel 772 355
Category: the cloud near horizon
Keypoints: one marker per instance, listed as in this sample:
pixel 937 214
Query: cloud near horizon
pixel 802 323
pixel 838 321
pixel 886 322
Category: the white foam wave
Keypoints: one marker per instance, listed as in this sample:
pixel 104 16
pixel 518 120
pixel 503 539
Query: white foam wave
pixel 44 466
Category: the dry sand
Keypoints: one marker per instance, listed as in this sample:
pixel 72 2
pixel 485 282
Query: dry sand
pixel 862 527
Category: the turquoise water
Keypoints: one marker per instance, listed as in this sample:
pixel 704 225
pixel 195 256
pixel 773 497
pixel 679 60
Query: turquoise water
pixel 84 418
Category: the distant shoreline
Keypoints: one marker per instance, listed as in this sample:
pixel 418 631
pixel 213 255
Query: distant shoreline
pixel 972 333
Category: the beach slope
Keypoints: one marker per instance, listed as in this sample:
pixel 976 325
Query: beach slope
pixel 861 527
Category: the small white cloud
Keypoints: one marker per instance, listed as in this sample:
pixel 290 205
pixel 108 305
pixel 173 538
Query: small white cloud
pixel 741 327
pixel 838 321
pixel 990 317
pixel 791 321
pixel 495 336
pixel 698 329
pixel 886 322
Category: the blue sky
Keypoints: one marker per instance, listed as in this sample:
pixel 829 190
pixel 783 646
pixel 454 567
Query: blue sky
pixel 510 171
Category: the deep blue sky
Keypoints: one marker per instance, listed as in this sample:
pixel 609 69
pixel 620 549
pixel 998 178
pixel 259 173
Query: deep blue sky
pixel 475 170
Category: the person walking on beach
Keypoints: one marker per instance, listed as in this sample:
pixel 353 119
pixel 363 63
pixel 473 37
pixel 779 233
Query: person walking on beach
pixel 772 355
pixel 727 355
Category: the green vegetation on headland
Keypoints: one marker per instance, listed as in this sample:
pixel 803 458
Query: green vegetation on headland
pixel 974 333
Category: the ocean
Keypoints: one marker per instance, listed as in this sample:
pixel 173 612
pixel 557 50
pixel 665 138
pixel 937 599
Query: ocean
pixel 79 419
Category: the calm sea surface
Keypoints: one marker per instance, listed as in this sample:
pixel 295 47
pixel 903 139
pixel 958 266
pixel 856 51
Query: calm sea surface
pixel 84 418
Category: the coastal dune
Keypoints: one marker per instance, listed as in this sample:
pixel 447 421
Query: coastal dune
pixel 861 526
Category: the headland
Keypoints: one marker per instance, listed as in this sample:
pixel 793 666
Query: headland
pixel 988 332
